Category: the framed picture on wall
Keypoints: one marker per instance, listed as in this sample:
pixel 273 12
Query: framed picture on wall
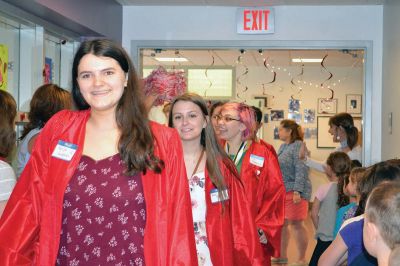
pixel 353 103
pixel 327 106
pixel 324 139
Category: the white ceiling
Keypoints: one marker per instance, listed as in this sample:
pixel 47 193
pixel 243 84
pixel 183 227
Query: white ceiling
pixel 230 57
pixel 246 2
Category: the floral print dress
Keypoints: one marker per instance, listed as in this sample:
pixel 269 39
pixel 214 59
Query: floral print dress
pixel 197 195
pixel 104 216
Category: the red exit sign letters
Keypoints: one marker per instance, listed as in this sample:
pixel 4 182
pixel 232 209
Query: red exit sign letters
pixel 255 20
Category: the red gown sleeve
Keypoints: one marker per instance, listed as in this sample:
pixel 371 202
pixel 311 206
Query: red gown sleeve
pixel 19 224
pixel 270 217
pixel 247 249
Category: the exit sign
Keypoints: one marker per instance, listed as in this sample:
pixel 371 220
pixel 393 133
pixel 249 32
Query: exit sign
pixel 255 20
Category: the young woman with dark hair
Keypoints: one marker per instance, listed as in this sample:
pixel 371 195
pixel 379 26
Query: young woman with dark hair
pixel 103 184
pixel 224 231
pixel 342 129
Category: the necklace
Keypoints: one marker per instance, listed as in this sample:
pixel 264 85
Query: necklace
pixel 198 162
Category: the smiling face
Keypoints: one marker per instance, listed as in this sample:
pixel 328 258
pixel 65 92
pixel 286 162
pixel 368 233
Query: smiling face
pixel 101 82
pixel 229 125
pixel 189 120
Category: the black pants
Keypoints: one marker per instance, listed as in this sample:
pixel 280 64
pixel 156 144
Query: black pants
pixel 318 250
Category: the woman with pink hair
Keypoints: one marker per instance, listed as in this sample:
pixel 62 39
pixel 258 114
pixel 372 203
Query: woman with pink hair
pixel 259 170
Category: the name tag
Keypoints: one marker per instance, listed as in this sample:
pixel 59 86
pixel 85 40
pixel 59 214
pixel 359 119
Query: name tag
pixel 257 160
pixel 64 150
pixel 215 197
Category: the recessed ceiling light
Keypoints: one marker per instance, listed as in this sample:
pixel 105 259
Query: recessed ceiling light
pixel 306 60
pixel 171 59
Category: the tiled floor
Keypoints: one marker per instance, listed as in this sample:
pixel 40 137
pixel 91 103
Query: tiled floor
pixel 292 251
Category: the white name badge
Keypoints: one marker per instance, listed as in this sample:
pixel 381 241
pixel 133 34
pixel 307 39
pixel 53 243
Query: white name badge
pixel 256 160
pixel 64 150
pixel 215 197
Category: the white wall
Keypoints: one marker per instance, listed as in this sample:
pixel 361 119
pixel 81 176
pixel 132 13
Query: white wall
pixel 292 23
pixel 391 80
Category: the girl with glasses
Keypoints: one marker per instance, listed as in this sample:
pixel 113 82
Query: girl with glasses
pixel 258 167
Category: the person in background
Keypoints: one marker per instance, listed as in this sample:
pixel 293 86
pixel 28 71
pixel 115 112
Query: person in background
pixel 350 190
pixel 342 129
pixel 349 240
pixel 259 171
pixel 381 232
pixel 258 117
pixel 47 100
pixel 103 184
pixel 325 205
pixel 8 112
pixel 298 190
pixel 224 231
pixel 214 112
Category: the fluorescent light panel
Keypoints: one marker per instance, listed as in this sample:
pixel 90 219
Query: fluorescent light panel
pixel 306 60
pixel 171 59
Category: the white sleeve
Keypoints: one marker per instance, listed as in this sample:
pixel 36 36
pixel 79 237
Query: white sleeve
pixel 314 164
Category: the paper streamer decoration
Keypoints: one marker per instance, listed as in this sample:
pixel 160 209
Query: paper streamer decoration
pixel 166 84
pixel 206 74
pixel 330 76
pixel 269 70
pixel 294 84
pixel 243 75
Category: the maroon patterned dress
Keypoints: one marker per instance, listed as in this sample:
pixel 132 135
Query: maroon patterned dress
pixel 104 216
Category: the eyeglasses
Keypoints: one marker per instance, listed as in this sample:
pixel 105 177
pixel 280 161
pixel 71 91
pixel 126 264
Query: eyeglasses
pixel 226 119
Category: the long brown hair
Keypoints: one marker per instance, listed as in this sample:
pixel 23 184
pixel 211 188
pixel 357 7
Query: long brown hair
pixel 340 164
pixel 47 100
pixel 214 151
pixel 296 132
pixel 345 121
pixel 8 112
pixel 136 144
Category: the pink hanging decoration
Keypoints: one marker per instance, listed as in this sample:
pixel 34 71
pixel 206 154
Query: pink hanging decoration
pixel 167 85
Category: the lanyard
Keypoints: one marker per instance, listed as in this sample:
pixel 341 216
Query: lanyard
pixel 198 162
pixel 240 152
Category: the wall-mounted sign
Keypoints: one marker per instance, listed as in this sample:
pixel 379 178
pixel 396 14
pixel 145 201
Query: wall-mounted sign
pixel 251 20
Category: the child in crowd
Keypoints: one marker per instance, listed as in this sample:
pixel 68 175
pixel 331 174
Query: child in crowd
pixel 381 231
pixel 350 237
pixel 323 213
pixel 350 189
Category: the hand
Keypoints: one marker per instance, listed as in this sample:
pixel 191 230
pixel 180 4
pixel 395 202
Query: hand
pixel 303 152
pixel 296 197
pixel 263 237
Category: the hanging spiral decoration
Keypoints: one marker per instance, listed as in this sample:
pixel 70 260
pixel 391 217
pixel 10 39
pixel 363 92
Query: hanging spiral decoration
pixel 206 74
pixel 330 76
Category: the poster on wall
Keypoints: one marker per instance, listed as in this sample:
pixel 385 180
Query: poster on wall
pixel 3 66
pixel 309 116
pixel 48 70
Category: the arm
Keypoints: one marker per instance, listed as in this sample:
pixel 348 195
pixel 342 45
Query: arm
pixel 314 164
pixel 247 249
pixel 335 254
pixel 181 248
pixel 31 143
pixel 301 170
pixel 270 217
pixel 314 212
pixel 20 222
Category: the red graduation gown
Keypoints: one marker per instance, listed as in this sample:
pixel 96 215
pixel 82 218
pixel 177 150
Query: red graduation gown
pixel 266 194
pixel 31 223
pixel 231 233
